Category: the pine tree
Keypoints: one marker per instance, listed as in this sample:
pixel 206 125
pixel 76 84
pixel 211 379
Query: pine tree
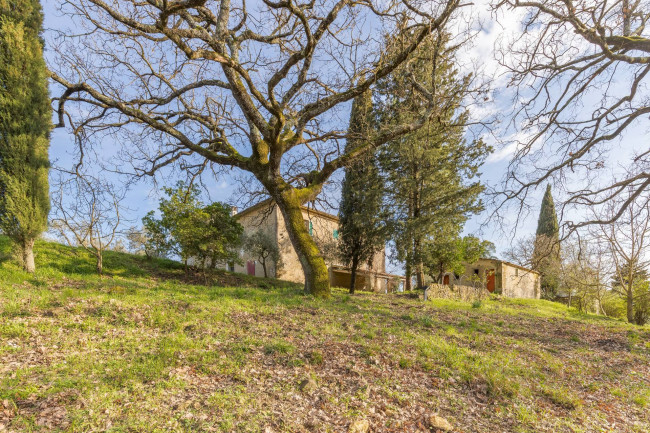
pixel 362 229
pixel 431 173
pixel 546 254
pixel 25 122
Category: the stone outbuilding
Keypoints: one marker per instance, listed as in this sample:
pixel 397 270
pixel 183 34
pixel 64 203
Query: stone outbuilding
pixel 500 277
pixel 324 228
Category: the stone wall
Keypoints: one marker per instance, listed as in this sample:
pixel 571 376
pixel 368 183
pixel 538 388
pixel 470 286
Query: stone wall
pixel 324 229
pixel 264 220
pixel 519 283
pixel 456 292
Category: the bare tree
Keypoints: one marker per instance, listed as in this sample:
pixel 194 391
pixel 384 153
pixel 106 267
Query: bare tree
pixel 580 70
pixel 87 213
pixel 218 83
pixel 628 241
pixel 264 248
pixel 585 273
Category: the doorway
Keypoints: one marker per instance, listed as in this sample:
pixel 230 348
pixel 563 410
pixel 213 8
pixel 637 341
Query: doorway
pixel 491 280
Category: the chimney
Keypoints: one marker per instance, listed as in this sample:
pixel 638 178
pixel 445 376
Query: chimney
pixel 233 210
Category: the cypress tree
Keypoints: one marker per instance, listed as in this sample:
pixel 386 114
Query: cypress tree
pixel 25 122
pixel 546 254
pixel 547 224
pixel 362 231
pixel 431 174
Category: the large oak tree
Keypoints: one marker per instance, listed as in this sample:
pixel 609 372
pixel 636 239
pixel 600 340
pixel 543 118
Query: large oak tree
pixel 229 84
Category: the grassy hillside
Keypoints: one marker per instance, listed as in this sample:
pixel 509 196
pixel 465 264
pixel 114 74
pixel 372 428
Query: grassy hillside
pixel 143 350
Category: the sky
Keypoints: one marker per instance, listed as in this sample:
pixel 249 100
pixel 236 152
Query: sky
pixel 144 196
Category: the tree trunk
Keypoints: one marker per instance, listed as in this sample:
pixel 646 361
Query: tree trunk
pixel 626 17
pixel 419 273
pixel 100 263
pixel 312 262
pixel 353 274
pixel 28 256
pixel 264 267
pixel 408 273
pixel 630 305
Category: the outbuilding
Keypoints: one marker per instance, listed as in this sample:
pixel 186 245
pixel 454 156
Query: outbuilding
pixel 500 277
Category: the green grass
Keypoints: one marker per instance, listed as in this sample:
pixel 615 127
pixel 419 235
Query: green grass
pixel 147 348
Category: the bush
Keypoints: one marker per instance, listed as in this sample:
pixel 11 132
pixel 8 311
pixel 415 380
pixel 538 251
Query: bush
pixel 613 306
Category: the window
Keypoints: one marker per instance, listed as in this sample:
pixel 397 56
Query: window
pixel 475 271
pixel 335 234
pixel 231 267
pixel 309 226
pixel 516 272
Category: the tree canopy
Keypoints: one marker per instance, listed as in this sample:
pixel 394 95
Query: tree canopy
pixel 362 222
pixel 187 228
pixel 204 83
pixel 431 174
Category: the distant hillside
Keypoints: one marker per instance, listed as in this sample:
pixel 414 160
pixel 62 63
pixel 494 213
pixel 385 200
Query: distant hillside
pixel 144 349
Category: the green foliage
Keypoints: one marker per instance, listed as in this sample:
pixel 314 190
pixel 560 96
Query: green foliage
pixel 547 224
pixel 189 229
pixel 362 223
pixel 444 255
pixel 24 124
pixel 431 174
pixel 546 254
pixel 264 248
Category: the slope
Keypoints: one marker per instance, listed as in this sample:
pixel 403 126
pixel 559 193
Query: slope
pixel 144 349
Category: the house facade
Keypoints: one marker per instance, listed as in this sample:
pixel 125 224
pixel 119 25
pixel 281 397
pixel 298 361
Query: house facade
pixel 500 277
pixel 324 228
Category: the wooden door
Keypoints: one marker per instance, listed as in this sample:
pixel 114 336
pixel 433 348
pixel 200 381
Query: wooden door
pixel 445 280
pixel 250 267
pixel 491 280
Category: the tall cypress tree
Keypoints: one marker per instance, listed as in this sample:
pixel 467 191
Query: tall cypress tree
pixel 432 173
pixel 25 122
pixel 362 229
pixel 546 254
pixel 547 224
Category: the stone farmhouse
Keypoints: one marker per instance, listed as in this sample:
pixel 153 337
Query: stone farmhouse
pixel 324 227
pixel 500 277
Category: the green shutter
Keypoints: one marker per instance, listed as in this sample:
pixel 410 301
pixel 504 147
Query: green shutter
pixel 311 229
pixel 335 234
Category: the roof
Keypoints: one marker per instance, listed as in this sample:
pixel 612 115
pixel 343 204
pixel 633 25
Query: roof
pixel 514 265
pixel 269 202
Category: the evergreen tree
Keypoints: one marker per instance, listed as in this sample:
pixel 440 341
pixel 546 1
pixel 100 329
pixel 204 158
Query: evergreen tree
pixel 25 121
pixel 429 172
pixel 546 253
pixel 362 228
pixel 547 224
pixel 451 255
pixel 186 228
